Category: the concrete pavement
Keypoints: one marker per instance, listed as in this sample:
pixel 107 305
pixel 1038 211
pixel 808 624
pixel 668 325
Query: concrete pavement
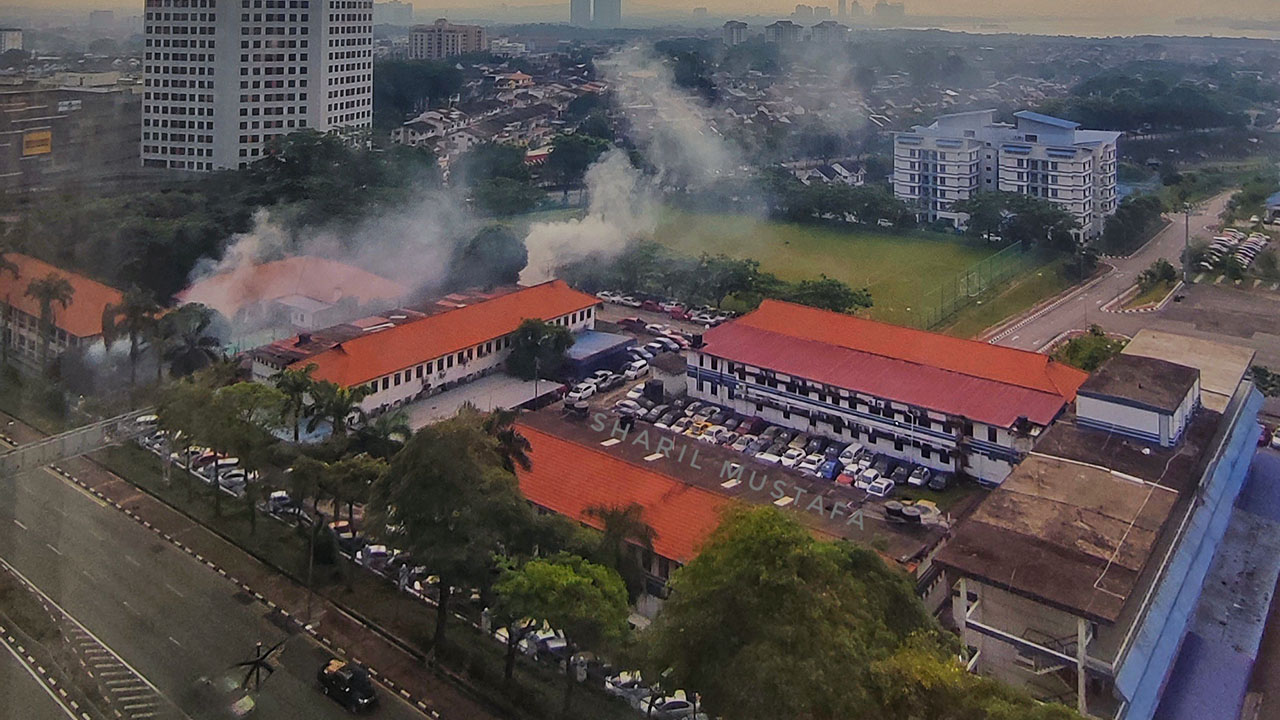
pixel 180 626
pixel 1083 307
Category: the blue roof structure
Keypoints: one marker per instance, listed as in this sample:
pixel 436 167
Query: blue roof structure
pixel 589 343
pixel 1274 200
pixel 1046 120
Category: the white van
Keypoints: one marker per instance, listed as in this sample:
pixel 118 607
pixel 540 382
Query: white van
pixel 635 369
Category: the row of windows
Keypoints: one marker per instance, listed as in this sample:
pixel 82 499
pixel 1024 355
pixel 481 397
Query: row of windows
pixel 277 4
pixel 293 30
pixel 181 57
pixel 180 43
pixel 183 17
pixel 179 30
pixel 169 83
pixel 347 105
pixel 272 17
pixel 178 124
pixel 177 110
pixel 177 137
pixel 178 69
pixel 182 3
pixel 269 84
pixel 274 97
pixel 346 54
pixel 244 44
pixel 293 70
pixel 350 17
pixel 176 150
pixel 348 92
pixel 464 356
pixel 273 57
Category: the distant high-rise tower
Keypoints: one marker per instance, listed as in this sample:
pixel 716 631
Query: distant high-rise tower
pixel 734 33
pixel 580 12
pixel 607 13
pixel 221 82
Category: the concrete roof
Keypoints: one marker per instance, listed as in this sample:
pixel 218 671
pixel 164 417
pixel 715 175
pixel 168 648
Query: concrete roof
pixel 1222 366
pixel 1137 380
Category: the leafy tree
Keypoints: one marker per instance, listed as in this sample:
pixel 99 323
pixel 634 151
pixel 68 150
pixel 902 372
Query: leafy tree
pixel 402 88
pixel 570 157
pixel 48 291
pixel 135 316
pixel 585 601
pixel 828 294
pixel 596 125
pixel 449 503
pixel 350 480
pixel 503 197
pixel 723 276
pixel 296 385
pixel 187 340
pixel 623 537
pixel 538 349
pixel 383 436
pixel 1090 350
pixel 1161 271
pixel 180 408
pixel 1135 220
pixel 513 447
pixel 986 211
pixel 493 256
pixel 492 161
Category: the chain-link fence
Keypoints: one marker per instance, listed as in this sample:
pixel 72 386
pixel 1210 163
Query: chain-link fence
pixel 968 286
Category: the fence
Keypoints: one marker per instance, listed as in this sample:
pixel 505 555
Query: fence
pixel 966 287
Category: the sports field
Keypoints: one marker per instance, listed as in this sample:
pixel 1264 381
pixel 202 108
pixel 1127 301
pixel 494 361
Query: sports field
pixel 900 269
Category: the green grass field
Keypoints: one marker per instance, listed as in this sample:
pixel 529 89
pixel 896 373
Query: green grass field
pixel 898 268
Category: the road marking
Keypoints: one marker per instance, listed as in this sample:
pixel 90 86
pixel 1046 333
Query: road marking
pixel 175 642
pixel 54 549
pixel 130 559
pixel 130 607
pixel 174 590
pixel 19 524
pixel 39 681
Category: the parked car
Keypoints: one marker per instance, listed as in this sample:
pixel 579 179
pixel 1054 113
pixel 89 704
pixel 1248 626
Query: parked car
pixel 830 469
pixel 681 424
pixel 692 408
pixel 656 329
pixel 798 442
pixel 881 488
pixel 675 339
pixel 815 446
pixel 901 473
pixel 792 456
pixel 678 314
pixel 667 344
pixel 742 442
pixel 665 421
pixel 940 482
pixel 636 392
pixel 663 708
pixel 767 458
pixel 777 447
pixel 850 453
pixel 650 306
pixel 848 477
pixel 639 353
pixel 865 478
pixel 636 369
pixel 626 687
pixel 810 464
pixel 348 541
pixel 581 391
pixel 920 477
pixel 607 295
pixel 634 324
pixel 629 301
pixel 615 380
pixel 597 377
pixel 279 503
pixel 770 432
pixel 655 348
pixel 656 412
pixel 628 407
pixel 348 684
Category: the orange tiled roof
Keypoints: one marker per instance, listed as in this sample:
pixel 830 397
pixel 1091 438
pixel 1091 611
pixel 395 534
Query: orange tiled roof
pixel 1022 368
pixel 82 318
pixel 372 356
pixel 314 277
pixel 567 478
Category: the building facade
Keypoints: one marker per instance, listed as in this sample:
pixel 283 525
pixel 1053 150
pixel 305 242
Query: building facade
pixel 442 39
pixel 734 32
pixel 223 81
pixel 10 39
pixel 783 31
pixel 963 154
pixel 829 31
pixel 49 136
pixel 77 325
pixel 606 13
pixel 580 13
pixel 952 405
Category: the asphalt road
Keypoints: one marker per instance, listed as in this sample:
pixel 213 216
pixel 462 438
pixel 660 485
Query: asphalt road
pixel 176 622
pixel 22 696
pixel 1083 307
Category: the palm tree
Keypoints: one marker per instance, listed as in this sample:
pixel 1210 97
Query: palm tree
pixel 335 403
pixel 384 435
pixel 623 529
pixel 188 346
pixel 296 384
pixel 514 447
pixel 135 314
pixel 50 289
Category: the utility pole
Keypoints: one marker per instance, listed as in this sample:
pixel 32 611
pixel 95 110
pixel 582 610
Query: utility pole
pixel 316 526
pixel 1186 242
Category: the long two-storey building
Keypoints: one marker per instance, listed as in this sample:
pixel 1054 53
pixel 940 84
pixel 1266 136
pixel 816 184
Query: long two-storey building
pixel 947 403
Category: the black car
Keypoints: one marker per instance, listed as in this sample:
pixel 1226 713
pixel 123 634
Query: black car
pixel 613 381
pixel 348 684
pixel 940 481
pixel 815 446
pixel 655 413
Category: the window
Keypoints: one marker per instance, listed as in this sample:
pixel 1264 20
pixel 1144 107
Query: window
pixel 386 383
pixel 992 435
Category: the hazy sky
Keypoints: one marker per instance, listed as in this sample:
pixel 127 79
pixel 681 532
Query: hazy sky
pixel 1162 9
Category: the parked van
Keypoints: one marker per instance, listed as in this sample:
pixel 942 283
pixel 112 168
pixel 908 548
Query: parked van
pixel 635 369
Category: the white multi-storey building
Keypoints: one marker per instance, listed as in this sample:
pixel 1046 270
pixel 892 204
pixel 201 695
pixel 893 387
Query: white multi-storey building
pixel 966 153
pixel 223 80
pixel 950 404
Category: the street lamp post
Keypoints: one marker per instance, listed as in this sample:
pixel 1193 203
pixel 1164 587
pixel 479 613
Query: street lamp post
pixel 1186 242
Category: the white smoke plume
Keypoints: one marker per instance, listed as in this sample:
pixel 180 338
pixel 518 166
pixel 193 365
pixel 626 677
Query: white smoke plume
pixel 622 207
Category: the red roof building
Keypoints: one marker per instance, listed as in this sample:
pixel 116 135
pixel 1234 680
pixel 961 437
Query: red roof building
pixel 916 394
pixel 77 324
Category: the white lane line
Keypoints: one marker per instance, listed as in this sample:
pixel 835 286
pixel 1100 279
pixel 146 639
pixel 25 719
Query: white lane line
pixel 130 607
pixel 130 559
pixel 174 590
pixel 55 550
pixel 39 681
pixel 19 524
pixel 175 642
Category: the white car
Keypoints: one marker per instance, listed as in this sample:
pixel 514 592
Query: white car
pixel 767 458
pixel 639 353
pixel 581 391
pixel 635 369
pixel 636 392
pixel 881 488
pixel 866 477
pixel 628 407
pixel 607 295
pixel 1275 439
pixel 629 301
pixel 811 463
pixel 597 377
pixel 792 456
pixel 667 708
pixel 850 453
pixel 920 477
